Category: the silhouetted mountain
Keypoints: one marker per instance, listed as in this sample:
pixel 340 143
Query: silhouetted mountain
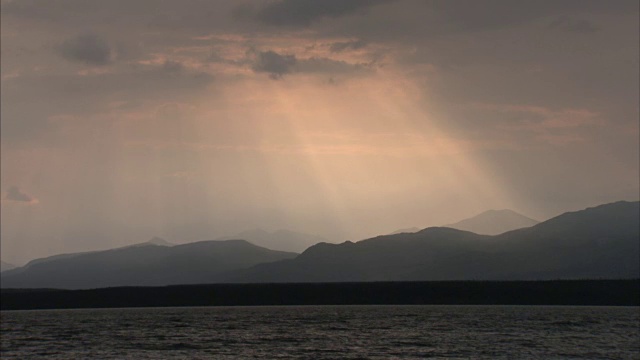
pixel 154 241
pixel 494 222
pixel 143 264
pixel 4 266
pixel 283 240
pixel 600 242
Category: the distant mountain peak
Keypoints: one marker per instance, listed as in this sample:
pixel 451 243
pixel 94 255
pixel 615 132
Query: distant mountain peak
pixel 494 222
pixel 281 239
pixel 155 241
pixel 159 241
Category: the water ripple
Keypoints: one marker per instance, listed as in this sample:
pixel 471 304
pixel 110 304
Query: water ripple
pixel 324 332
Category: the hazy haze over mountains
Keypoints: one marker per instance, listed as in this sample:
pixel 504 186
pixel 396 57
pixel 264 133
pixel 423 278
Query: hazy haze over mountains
pixel 599 242
pixel 190 120
pixel 490 222
pixel 494 222
pixel 283 240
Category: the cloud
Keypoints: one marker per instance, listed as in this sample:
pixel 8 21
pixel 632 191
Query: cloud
pixel 274 64
pixel 15 194
pixel 347 45
pixel 278 65
pixel 88 95
pixel 301 13
pixel 89 49
pixel 573 25
pixel 326 65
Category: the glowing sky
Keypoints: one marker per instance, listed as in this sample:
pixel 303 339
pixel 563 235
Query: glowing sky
pixel 191 120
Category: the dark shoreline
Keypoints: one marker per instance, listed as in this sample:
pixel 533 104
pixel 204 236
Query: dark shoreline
pixel 554 292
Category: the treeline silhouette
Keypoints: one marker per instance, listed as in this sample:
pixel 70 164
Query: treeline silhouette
pixel 556 292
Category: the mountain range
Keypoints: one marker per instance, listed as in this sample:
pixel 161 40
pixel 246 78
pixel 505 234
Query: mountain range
pixel 598 242
pixel 147 264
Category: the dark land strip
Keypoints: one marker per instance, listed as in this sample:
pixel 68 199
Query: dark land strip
pixel 556 292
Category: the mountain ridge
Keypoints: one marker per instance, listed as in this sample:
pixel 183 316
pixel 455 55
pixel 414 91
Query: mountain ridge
pixel 145 265
pixel 597 242
pixel 563 247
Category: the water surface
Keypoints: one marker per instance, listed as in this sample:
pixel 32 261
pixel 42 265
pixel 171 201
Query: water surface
pixel 324 332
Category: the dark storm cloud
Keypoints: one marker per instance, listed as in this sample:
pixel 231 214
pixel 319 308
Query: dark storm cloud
pixel 89 49
pixel 15 194
pixel 274 64
pixel 278 65
pixel 304 12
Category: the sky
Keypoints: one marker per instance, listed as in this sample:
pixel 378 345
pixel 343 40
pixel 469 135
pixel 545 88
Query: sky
pixel 191 120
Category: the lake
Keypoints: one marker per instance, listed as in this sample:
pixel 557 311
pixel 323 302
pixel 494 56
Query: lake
pixel 324 332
